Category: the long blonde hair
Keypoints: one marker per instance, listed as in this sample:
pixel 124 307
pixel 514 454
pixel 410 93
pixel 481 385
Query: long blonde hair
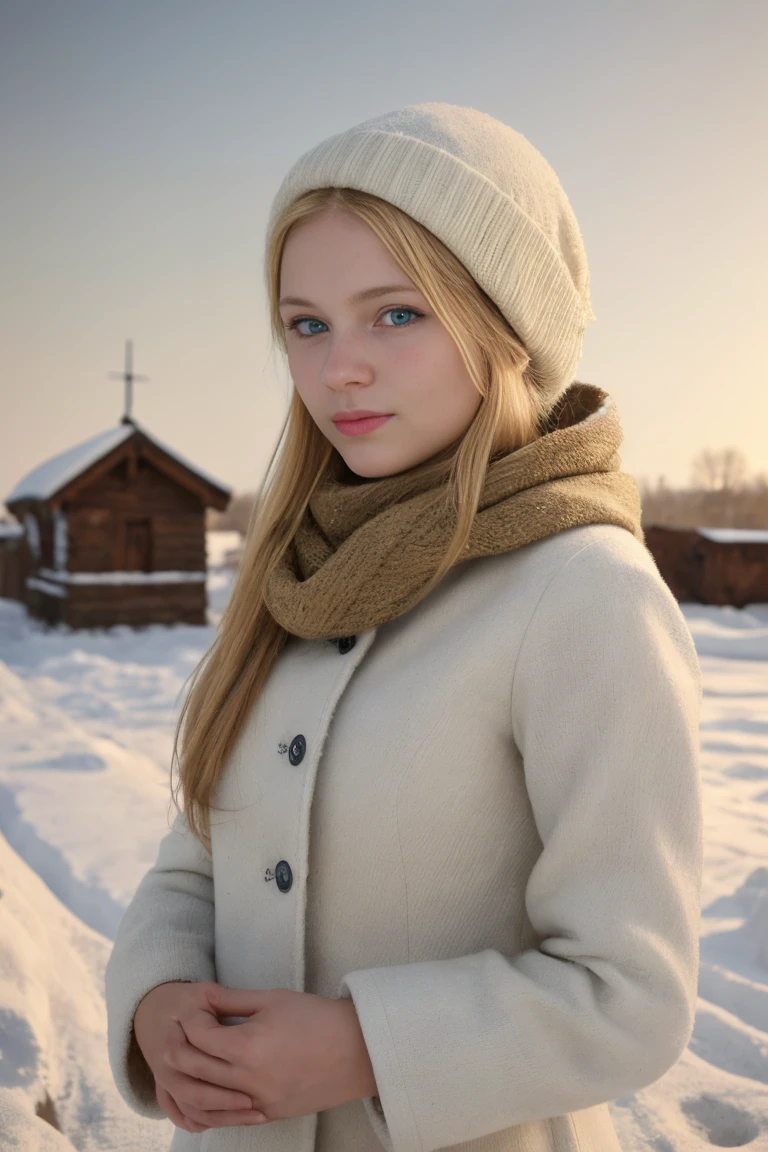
pixel 232 673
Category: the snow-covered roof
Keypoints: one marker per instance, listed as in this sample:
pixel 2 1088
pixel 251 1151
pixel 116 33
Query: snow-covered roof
pixel 7 529
pixel 735 535
pixel 46 479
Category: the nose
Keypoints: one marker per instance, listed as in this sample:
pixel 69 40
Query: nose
pixel 345 363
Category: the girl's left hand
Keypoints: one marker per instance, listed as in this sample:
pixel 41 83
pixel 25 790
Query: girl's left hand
pixel 297 1053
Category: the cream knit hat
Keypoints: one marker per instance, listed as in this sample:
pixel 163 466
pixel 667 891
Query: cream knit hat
pixel 491 197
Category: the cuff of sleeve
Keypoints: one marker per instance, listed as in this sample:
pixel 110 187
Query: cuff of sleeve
pixel 396 1126
pixel 141 1081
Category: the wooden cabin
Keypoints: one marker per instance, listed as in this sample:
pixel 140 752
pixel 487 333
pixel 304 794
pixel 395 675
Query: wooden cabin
pixel 14 560
pixel 113 533
pixel 712 565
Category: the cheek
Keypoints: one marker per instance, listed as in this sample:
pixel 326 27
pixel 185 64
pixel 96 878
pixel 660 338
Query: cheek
pixel 441 377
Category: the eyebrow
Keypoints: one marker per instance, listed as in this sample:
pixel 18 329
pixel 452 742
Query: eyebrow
pixel 358 297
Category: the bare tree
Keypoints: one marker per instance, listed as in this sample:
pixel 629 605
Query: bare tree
pixel 719 470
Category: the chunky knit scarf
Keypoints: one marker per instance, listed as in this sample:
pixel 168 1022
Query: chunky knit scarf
pixel 366 549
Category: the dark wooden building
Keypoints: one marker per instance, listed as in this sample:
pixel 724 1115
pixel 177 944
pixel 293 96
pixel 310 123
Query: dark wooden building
pixel 14 560
pixel 712 565
pixel 113 533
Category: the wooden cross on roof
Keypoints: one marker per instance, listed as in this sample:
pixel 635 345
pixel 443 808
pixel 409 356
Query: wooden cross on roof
pixel 128 376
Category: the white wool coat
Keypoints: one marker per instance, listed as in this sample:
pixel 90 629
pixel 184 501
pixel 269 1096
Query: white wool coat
pixel 495 843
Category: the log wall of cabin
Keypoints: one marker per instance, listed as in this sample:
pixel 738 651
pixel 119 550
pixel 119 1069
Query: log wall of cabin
pixel 44 517
pixel 672 550
pixel 104 605
pixel 705 571
pixel 98 516
pixel 734 573
pixel 15 566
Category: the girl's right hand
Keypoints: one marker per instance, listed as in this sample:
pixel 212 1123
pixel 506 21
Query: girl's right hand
pixel 196 1091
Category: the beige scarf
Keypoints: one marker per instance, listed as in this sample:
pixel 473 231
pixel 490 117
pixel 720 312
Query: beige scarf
pixel 366 548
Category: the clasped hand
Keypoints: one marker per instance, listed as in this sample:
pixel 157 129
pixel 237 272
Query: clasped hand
pixel 294 1054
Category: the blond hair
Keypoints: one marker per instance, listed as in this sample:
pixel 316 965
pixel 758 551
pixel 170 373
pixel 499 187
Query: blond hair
pixel 229 678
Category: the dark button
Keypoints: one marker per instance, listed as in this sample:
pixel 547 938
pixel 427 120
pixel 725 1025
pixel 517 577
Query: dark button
pixel 283 875
pixel 297 749
pixel 346 643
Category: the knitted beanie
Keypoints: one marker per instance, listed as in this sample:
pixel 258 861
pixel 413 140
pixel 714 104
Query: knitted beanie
pixel 490 197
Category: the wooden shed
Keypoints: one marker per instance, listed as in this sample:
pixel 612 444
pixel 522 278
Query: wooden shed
pixel 712 565
pixel 14 560
pixel 114 533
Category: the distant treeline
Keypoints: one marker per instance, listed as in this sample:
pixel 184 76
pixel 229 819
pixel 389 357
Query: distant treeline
pixel 721 494
pixel 705 508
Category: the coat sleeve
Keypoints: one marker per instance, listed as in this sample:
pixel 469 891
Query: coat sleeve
pixel 166 933
pixel 605 707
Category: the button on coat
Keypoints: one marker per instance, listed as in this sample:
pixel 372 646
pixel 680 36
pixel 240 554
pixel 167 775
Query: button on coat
pixel 283 875
pixel 297 749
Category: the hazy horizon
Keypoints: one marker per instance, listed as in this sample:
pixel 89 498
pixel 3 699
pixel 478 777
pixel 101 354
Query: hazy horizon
pixel 143 144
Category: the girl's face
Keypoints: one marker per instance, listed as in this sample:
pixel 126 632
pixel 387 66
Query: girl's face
pixel 361 337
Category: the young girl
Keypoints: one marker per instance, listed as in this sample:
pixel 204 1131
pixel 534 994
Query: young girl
pixel 436 880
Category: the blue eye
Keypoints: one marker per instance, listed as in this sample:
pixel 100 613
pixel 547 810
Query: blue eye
pixel 294 324
pixel 401 310
pixel 303 320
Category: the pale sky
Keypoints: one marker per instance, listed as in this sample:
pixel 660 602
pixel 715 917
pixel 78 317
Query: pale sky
pixel 142 144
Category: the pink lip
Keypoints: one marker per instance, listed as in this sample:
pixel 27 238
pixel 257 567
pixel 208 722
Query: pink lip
pixel 355 413
pixel 360 425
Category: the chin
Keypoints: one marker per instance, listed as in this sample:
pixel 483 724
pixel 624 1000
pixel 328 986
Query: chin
pixel 369 470
pixel 372 465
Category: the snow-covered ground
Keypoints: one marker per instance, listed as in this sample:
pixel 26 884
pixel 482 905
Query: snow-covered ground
pixel 86 731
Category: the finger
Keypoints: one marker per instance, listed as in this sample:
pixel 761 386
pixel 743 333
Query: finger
pixel 223 1045
pixel 236 1001
pixel 174 1113
pixel 207 1097
pixel 227 1083
pixel 205 1081
pixel 227 1119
